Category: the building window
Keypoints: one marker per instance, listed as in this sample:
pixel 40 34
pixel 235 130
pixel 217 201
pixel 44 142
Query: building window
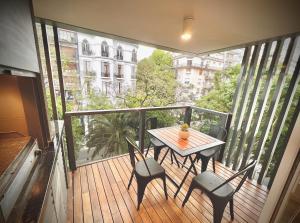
pixel 105 87
pixel 86 66
pixel 188 71
pixel 133 76
pixel 120 71
pixel 105 69
pixel 86 48
pixel 119 87
pixel 134 56
pixel 189 63
pixel 119 53
pixel 104 49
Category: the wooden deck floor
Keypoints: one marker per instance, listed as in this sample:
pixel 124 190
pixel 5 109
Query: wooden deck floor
pixel 98 193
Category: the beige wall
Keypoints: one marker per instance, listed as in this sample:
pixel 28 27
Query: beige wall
pixel 12 115
pixel 282 173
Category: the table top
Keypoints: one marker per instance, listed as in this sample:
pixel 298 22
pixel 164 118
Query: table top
pixel 196 142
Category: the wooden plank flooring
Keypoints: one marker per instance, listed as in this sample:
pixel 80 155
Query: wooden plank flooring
pixel 98 193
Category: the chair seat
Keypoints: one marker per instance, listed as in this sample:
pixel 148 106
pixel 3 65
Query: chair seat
pixel 154 168
pixel 155 142
pixel 209 152
pixel 209 180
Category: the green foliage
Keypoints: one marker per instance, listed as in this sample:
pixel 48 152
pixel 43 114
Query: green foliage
pixel 107 134
pixel 220 98
pixel 184 127
pixel 156 83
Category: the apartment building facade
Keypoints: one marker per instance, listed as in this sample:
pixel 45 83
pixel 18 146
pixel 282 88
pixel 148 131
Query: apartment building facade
pixel 196 74
pixel 107 65
pixel 92 63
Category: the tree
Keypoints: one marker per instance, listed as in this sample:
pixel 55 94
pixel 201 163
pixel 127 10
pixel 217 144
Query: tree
pixel 220 98
pixel 107 134
pixel 156 85
pixel 156 82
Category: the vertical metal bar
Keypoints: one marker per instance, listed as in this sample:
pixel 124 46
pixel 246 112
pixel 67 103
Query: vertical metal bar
pixel 236 97
pixel 188 115
pixel 280 122
pixel 227 122
pixel 142 129
pixel 59 69
pixel 262 103
pixel 70 142
pixel 274 102
pixel 49 70
pixel 252 103
pixel 286 140
pixel 40 89
pixel 243 104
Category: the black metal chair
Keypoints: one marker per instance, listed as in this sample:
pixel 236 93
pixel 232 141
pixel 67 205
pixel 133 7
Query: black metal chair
pixel 216 132
pixel 151 123
pixel 144 171
pixel 218 189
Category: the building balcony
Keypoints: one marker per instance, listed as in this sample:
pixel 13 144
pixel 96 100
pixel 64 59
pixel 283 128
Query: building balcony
pixel 188 65
pixel 119 76
pixel 105 75
pixel 90 73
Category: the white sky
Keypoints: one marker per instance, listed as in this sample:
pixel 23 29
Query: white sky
pixel 144 51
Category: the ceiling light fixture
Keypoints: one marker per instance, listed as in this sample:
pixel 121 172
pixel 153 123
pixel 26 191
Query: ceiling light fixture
pixel 187 28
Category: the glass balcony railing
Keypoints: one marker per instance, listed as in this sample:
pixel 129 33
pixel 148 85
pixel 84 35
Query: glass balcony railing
pixel 100 134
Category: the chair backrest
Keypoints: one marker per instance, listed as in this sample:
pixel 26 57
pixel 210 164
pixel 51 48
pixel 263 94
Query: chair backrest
pixel 151 123
pixel 246 171
pixel 218 132
pixel 132 147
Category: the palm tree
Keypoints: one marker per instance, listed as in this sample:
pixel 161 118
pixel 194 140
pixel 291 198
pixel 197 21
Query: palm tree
pixel 107 133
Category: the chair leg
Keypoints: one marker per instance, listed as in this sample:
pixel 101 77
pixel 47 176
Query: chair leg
pixel 204 163
pixel 141 186
pixel 187 196
pixel 147 149
pixel 185 159
pixel 214 164
pixel 131 177
pixel 165 186
pixel 218 210
pixel 231 209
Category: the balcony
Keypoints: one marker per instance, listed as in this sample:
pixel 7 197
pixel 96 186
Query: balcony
pixel 99 192
pixel 105 75
pixel 119 75
pixel 189 65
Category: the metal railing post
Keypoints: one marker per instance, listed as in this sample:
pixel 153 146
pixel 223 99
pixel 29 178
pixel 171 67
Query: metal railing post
pixel 226 122
pixel 188 115
pixel 142 115
pixel 70 142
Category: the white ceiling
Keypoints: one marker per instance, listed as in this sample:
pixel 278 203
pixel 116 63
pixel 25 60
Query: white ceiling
pixel 218 24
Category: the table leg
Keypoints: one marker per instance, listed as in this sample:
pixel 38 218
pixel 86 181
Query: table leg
pixel 164 157
pixel 190 157
pixel 187 173
pixel 156 152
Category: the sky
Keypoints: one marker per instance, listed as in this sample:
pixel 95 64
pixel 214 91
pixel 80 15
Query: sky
pixel 144 51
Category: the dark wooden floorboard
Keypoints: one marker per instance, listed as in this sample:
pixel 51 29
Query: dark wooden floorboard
pixel 98 193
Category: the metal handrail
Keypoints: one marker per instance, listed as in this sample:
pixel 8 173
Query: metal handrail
pixel 121 110
pixel 225 121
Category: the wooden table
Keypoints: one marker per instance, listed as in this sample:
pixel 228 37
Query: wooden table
pixel 196 143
